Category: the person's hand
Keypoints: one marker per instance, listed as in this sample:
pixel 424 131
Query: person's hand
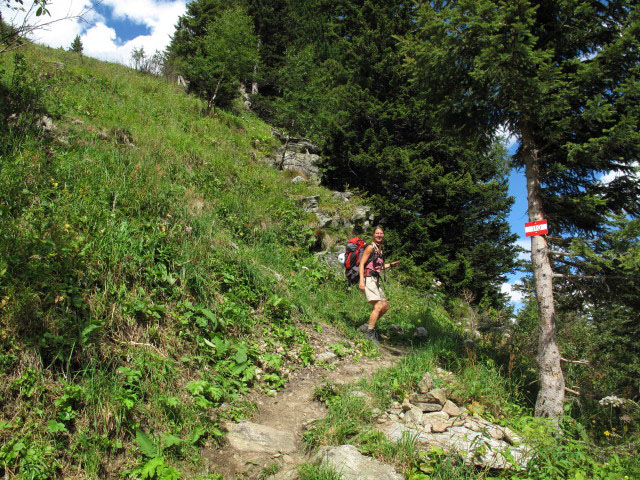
pixel 395 264
pixel 362 286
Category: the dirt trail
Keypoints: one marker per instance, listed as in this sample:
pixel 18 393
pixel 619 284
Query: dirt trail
pixel 291 410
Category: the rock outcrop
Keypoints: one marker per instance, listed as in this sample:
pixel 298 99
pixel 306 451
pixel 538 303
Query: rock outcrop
pixel 436 421
pixel 299 155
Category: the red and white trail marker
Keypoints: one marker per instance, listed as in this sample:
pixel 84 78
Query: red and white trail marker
pixel 536 228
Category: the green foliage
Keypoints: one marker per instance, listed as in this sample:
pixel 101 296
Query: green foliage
pixel 322 472
pixel 222 56
pixel 76 45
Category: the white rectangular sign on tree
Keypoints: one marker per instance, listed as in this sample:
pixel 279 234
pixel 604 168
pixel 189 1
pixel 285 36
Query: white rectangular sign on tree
pixel 536 228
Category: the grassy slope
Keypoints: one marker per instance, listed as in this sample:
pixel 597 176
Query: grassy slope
pixel 149 264
pixel 142 248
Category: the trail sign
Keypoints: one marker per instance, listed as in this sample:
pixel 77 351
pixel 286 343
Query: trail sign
pixel 536 228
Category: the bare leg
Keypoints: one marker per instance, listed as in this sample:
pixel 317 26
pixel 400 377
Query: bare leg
pixel 380 307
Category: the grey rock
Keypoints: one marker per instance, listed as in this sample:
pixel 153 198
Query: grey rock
pixel 474 447
pixel 298 179
pixel 324 220
pixel 406 405
pixel 428 407
pixel 363 328
pixel 326 357
pixel 361 218
pixel 426 383
pixel 512 437
pixel 345 196
pixel 435 416
pixel 251 437
pixel 413 416
pixel 421 333
pixel 451 408
pixel 331 259
pixel 439 427
pixel 352 465
pixel 437 395
pixel 302 145
pixel 299 157
pixel 285 475
pixel 310 204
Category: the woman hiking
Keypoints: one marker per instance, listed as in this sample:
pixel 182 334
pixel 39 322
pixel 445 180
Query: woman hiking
pixel 371 264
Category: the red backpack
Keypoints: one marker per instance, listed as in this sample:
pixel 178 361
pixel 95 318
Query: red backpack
pixel 355 249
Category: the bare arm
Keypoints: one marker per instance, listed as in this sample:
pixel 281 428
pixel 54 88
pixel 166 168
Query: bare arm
pixel 363 261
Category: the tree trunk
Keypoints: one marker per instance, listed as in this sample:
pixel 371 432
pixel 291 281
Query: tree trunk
pixel 212 101
pixel 551 394
pixel 254 83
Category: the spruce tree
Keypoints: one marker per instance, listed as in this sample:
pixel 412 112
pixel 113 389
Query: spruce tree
pixel 76 45
pixel 563 76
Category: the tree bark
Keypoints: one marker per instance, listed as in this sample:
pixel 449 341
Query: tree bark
pixel 254 83
pixel 551 394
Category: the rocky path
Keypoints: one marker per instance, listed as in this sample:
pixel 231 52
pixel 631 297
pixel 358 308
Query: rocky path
pixel 274 434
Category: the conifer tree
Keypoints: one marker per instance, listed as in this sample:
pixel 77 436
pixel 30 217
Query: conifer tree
pixel 563 76
pixel 76 45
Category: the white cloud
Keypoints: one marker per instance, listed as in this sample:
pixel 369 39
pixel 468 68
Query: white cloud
pixel 509 138
pixel 508 288
pixel 99 39
pixel 60 27
pixel 611 176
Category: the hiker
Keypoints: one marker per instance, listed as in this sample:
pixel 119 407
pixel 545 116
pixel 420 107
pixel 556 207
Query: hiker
pixel 371 264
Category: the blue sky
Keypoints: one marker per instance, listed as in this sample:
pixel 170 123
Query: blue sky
pixel 517 218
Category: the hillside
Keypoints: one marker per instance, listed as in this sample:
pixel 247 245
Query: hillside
pixel 154 272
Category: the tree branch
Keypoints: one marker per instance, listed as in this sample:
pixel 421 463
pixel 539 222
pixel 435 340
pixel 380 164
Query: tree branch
pixel 559 253
pixel 582 277
pixel 567 389
pixel 580 362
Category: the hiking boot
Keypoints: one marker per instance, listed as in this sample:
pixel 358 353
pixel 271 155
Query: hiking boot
pixel 363 328
pixel 373 335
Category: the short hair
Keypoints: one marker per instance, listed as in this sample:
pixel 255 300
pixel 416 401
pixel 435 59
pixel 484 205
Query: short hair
pixel 378 227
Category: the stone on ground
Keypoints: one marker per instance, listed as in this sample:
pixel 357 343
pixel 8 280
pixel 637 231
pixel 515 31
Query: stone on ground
pixel 251 437
pixel 476 448
pixel 352 465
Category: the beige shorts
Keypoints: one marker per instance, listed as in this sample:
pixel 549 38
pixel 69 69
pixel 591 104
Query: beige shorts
pixel 372 289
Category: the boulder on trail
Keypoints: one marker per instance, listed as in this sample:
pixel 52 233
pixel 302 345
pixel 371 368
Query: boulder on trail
pixel 251 437
pixel 348 462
